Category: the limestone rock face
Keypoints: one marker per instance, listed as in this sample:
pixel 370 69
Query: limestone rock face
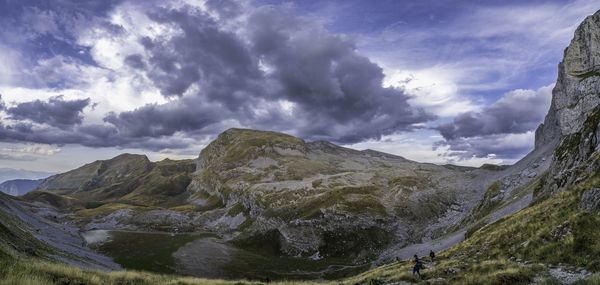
pixel 576 93
pixel 574 115
pixel 577 90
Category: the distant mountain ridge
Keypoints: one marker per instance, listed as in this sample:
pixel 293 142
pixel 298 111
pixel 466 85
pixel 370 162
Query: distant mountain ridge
pixel 19 187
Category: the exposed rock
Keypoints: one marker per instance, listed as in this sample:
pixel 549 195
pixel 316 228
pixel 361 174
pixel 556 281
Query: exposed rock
pixel 590 200
pixel 561 231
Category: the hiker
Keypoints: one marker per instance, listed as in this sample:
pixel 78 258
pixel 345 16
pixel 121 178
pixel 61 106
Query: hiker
pixel 418 266
pixel 432 255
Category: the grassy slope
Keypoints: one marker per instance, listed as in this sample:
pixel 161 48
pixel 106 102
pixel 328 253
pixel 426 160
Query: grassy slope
pixel 536 234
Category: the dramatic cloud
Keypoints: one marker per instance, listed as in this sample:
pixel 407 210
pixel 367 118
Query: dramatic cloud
pixel 56 112
pixel 494 130
pixel 218 67
pixel 337 93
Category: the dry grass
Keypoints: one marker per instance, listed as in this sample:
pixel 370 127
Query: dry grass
pixel 37 272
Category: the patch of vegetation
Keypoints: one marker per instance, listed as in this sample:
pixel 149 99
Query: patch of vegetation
pixel 357 200
pixel 419 182
pixel 187 208
pixel 59 201
pixel 587 75
pixel 494 167
pixel 94 205
pixel 104 209
pixel 539 194
pixel 568 147
pixel 475 227
pixel 491 199
pixel 303 168
pixel 244 144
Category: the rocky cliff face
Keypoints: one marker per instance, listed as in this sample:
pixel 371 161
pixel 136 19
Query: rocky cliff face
pixel 574 115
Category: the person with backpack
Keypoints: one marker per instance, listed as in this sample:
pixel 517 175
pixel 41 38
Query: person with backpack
pixel 432 255
pixel 418 266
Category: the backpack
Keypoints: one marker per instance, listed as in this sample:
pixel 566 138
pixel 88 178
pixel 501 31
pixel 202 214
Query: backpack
pixel 420 263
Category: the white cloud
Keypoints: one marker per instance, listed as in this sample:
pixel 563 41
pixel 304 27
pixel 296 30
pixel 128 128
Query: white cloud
pixel 433 89
pixel 27 151
pixel 40 149
pixel 10 65
pixel 419 146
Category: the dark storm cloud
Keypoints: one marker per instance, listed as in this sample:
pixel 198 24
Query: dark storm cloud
pixel 517 112
pixel 87 135
pixel 336 93
pixel 204 54
pixel 482 133
pixel 162 120
pixel 135 61
pixel 56 112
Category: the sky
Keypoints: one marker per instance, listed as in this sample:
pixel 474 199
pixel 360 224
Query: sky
pixel 462 82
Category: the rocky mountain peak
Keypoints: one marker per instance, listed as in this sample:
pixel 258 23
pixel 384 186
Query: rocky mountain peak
pixel 98 173
pixel 240 145
pixel 575 95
